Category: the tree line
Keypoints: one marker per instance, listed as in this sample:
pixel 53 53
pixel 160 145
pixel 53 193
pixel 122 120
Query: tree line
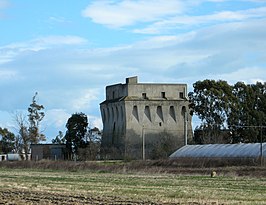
pixel 82 142
pixel 236 113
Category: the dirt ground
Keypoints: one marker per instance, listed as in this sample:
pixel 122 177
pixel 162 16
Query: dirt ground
pixel 22 197
pixel 12 197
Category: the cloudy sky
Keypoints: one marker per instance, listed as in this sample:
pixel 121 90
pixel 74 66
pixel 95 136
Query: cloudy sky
pixel 69 50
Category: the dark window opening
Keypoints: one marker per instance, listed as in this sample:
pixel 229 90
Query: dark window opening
pixel 113 94
pixel 160 124
pixel 181 95
pixel 113 135
pixel 144 95
pixel 163 94
pixel 160 112
pixel 147 112
pixel 172 112
pixel 135 112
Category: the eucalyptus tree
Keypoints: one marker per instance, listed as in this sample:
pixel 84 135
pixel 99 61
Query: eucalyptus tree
pixel 248 112
pixel 210 101
pixel 241 108
pixel 29 126
pixel 35 116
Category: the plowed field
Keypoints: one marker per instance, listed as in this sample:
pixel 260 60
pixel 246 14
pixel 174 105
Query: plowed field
pixel 33 197
pixel 26 186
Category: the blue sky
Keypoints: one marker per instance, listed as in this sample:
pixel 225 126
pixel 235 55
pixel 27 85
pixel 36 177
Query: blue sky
pixel 68 50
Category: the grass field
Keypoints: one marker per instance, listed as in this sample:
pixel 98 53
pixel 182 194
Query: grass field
pixel 32 186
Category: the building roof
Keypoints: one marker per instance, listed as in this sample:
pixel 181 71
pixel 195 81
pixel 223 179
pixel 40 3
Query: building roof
pixel 47 145
pixel 221 150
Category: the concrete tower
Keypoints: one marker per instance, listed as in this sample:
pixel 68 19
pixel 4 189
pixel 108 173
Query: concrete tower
pixel 143 120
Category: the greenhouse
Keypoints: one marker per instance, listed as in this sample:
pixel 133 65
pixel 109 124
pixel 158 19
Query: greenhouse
pixel 241 150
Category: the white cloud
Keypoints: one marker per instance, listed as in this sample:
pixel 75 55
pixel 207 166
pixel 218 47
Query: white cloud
pixel 226 46
pixel 178 22
pixel 83 99
pixel 248 75
pixel 44 43
pixel 59 40
pixel 58 20
pixel 9 52
pixel 95 121
pixel 233 15
pixel 129 12
pixel 56 117
pixel 160 17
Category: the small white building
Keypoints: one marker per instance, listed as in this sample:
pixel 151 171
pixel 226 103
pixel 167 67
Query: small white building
pixel 14 157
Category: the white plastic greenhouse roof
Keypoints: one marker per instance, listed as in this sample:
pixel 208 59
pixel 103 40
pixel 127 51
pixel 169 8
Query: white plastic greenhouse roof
pixel 221 150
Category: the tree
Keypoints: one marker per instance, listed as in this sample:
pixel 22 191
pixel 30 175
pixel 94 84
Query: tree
pixel 240 108
pixel 248 112
pixel 7 141
pixel 93 145
pixel 59 139
pixel 35 116
pixel 76 133
pixel 94 135
pixel 28 129
pixel 210 101
pixel 23 138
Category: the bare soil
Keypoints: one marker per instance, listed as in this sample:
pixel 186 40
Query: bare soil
pixel 12 197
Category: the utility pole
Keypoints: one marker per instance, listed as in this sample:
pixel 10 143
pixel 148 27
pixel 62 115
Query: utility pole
pixel 143 143
pixel 261 150
pixel 185 121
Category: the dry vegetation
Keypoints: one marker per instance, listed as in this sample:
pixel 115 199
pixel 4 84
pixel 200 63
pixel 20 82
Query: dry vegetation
pixel 117 182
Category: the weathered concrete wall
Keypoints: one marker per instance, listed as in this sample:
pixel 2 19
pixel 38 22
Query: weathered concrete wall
pixel 114 121
pixel 158 91
pixel 116 91
pixel 156 121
